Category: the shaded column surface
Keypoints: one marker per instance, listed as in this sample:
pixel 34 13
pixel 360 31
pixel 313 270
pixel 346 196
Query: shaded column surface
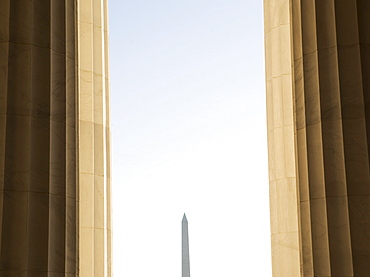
pixel 318 103
pixel 38 187
pixel 185 248
pixel 42 155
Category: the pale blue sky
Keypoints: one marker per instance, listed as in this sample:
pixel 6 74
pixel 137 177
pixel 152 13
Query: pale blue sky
pixel 189 135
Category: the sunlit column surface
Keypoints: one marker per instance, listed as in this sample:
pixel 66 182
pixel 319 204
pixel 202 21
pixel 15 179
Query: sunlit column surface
pixel 318 106
pixel 94 140
pixel 282 166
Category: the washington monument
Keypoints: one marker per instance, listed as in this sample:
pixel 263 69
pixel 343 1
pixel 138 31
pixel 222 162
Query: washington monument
pixel 185 248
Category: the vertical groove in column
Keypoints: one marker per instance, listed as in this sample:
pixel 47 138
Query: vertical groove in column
pixel 57 185
pixel 71 231
pixel 4 60
pixel 363 11
pixel 38 190
pixel 108 140
pixel 106 129
pixel 301 143
pixel 354 129
pixel 316 184
pixel 361 213
pixel 270 124
pixel 332 137
pixel 86 138
pixel 17 138
pixel 99 139
pixel 361 252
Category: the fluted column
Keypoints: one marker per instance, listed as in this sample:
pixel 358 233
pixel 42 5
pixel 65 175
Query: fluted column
pixel 326 52
pixel 38 187
pixel 94 141
pixel 54 139
pixel 281 143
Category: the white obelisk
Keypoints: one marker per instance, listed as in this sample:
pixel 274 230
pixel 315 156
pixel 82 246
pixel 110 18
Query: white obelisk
pixel 185 248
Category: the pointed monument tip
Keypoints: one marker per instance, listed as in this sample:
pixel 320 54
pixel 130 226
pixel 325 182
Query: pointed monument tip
pixel 184 218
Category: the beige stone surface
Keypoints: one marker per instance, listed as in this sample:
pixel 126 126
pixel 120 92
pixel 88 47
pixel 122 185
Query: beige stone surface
pixel 95 231
pixel 282 168
pixel 54 139
pixel 318 115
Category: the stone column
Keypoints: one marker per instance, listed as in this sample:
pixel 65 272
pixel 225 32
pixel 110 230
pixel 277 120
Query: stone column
pixel 94 140
pixel 318 106
pixel 38 146
pixel 48 145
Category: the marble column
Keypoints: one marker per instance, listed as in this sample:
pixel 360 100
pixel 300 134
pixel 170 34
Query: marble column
pixel 94 140
pixel 318 110
pixel 46 145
